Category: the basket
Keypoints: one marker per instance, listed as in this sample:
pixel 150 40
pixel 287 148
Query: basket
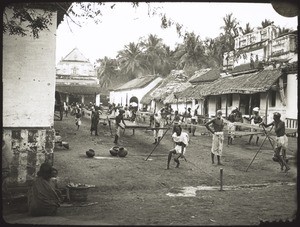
pixel 78 194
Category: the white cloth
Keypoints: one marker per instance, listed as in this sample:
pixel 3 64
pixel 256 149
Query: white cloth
pixel 159 132
pixel 282 141
pixel 184 138
pixel 217 143
pixel 231 129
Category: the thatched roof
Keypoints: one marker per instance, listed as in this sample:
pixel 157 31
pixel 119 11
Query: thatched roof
pixel 206 75
pixel 244 84
pixel 139 82
pixel 172 83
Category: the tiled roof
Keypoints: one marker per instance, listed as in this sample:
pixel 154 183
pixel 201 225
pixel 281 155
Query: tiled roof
pixel 79 89
pixel 245 67
pixel 245 84
pixel 139 82
pixel 204 76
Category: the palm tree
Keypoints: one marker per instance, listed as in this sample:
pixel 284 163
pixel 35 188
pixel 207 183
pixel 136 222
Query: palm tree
pixel 230 31
pixel 247 29
pixel 214 51
pixel 107 71
pixel 266 23
pixel 283 30
pixel 191 53
pixel 153 52
pixel 131 60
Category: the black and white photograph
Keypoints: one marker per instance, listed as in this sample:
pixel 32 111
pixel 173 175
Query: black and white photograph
pixel 149 113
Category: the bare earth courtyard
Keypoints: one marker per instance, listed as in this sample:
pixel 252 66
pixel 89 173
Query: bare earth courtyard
pixel 132 191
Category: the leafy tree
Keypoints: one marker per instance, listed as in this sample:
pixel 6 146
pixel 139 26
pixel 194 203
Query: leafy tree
pixel 131 61
pixel 230 31
pixel 107 72
pixel 247 29
pixel 214 51
pixel 191 53
pixel 266 23
pixel 283 30
pixel 153 53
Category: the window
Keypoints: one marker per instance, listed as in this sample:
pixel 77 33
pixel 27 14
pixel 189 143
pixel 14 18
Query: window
pixel 272 99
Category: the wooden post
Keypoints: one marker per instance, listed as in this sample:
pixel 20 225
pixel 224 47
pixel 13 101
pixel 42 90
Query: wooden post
pixel 250 103
pixel 226 113
pixel 221 179
pixel 267 105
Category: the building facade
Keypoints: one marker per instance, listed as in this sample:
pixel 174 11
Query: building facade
pixel 75 73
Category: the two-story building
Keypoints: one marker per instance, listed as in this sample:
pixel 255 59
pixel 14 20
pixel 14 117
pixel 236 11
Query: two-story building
pixel 258 72
pixel 76 79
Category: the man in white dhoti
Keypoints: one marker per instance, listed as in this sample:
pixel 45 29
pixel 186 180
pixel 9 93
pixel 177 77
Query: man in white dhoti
pixel 218 136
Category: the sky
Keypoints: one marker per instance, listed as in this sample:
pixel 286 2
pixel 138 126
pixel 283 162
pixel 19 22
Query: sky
pixel 124 24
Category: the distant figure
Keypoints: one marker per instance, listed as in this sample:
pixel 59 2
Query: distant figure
pixel 42 197
pixel 231 127
pixel 176 120
pixel 238 118
pixel 255 120
pixel 194 120
pixel 158 123
pixel 281 140
pixel 78 117
pixel 218 136
pixel 95 121
pixel 181 140
pixel 66 109
pixel 119 127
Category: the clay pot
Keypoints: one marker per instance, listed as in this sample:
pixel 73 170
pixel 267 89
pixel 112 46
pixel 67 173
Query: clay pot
pixel 90 153
pixel 122 152
pixel 114 151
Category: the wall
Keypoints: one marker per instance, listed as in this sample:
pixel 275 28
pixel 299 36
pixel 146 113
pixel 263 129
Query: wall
pixel 120 96
pixel 292 96
pixel 28 101
pixel 29 79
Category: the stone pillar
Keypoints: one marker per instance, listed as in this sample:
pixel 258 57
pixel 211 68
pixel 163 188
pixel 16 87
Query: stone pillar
pixel 67 98
pixel 29 147
pixel 82 98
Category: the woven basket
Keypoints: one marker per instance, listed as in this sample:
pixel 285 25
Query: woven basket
pixel 78 194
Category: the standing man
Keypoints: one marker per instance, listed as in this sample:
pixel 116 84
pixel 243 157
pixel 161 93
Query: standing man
pixel 238 118
pixel 255 120
pixel 218 136
pixel 119 127
pixel 95 121
pixel 281 140
pixel 181 140
pixel 78 116
pixel 194 120
pixel 158 123
pixel 231 127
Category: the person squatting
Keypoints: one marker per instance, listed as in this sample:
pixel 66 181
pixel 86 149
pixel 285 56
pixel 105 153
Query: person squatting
pixel 181 140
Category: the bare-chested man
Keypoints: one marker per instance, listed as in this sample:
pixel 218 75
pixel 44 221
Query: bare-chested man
pixel 218 136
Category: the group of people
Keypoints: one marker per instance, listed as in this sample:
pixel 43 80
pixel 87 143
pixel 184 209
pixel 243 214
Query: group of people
pixel 281 142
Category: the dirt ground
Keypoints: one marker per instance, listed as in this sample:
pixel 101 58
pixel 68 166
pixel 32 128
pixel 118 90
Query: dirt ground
pixel 132 191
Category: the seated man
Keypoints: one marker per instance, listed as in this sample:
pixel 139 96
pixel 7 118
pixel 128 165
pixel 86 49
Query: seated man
pixel 42 197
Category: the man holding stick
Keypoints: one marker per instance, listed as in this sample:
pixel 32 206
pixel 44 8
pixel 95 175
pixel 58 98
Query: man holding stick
pixel 181 140
pixel 281 140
